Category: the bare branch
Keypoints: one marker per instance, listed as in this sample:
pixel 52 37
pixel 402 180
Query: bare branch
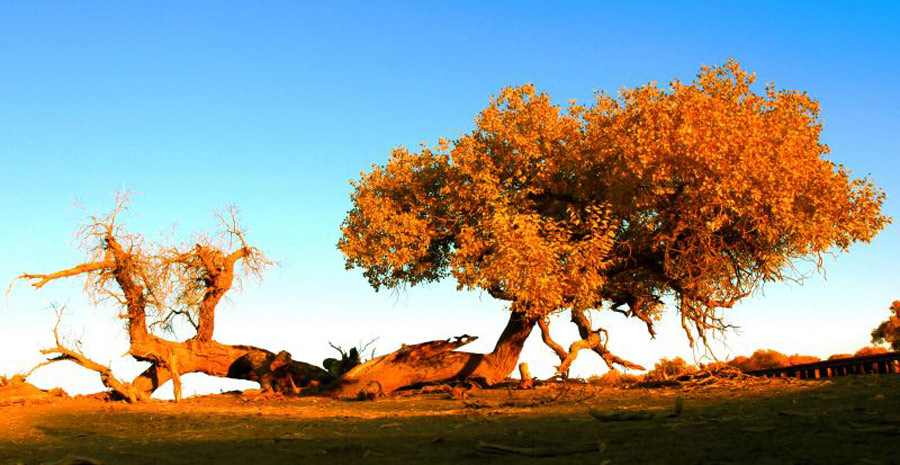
pixel 544 325
pixel 62 353
pixel 42 279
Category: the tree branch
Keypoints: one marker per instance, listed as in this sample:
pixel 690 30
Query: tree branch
pixel 544 325
pixel 43 279
pixel 125 390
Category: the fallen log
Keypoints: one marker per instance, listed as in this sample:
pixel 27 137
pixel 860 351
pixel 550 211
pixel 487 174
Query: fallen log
pixel 437 362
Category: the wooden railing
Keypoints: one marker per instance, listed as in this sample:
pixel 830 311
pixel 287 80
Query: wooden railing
pixel 868 364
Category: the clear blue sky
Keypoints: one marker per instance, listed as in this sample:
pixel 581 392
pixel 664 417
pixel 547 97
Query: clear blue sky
pixel 275 106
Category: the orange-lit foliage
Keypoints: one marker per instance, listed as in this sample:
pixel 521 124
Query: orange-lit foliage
pixel 701 191
pixel 840 356
pixel 802 359
pixel 889 331
pixel 741 363
pixel 870 351
pixel 613 377
pixel 668 369
pixel 717 366
pixel 764 359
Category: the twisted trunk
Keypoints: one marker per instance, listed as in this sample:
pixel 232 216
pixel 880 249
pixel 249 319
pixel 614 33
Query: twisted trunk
pixel 436 361
pixel 277 372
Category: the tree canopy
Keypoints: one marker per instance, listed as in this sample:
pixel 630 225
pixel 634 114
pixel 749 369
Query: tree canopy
pixel 889 330
pixel 701 192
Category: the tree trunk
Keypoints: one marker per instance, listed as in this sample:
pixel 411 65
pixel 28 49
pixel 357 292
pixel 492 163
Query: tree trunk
pixel 277 372
pixel 436 361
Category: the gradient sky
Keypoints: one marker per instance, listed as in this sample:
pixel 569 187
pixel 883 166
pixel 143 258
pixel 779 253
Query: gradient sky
pixel 275 106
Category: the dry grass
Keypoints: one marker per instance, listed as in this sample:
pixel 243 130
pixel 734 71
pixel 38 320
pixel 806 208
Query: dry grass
pixel 844 420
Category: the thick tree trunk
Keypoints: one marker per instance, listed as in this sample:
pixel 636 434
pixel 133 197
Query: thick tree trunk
pixel 436 361
pixel 277 372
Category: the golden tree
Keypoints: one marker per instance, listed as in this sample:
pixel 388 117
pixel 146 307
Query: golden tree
pixel 700 192
pixel 889 330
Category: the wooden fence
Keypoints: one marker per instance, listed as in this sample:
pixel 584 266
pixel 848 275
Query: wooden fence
pixel 869 364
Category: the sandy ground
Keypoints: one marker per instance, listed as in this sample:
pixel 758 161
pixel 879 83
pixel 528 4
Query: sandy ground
pixel 844 420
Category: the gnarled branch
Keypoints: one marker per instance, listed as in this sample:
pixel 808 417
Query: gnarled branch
pixel 42 279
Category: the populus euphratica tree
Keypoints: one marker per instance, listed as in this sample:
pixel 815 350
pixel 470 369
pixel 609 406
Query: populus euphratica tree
pixel 700 192
pixel 888 332
pixel 157 286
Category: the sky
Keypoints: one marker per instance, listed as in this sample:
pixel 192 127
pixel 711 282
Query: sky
pixel 276 106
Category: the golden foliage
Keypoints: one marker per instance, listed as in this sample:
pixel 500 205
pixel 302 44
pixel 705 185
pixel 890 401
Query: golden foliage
pixel 613 377
pixel 666 369
pixel 701 191
pixel 764 359
pixel 889 330
pixel 797 359
pixel 871 350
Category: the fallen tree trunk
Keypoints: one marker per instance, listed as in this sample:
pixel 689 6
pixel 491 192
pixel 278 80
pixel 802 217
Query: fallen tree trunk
pixel 276 372
pixel 437 361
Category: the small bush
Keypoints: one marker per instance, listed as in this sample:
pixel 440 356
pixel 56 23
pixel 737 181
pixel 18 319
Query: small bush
pixel 764 359
pixel 613 378
pixel 767 359
pixel 871 350
pixel 741 363
pixel 798 359
pixel 840 356
pixel 666 369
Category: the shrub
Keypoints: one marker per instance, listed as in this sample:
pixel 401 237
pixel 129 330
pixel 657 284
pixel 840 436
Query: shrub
pixel 766 359
pixel 613 378
pixel 798 359
pixel 668 369
pixel 871 350
pixel 741 363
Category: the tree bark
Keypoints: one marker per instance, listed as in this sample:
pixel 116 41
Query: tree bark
pixel 277 372
pixel 436 361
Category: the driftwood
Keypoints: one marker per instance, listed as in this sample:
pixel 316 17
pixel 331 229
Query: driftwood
pixel 551 451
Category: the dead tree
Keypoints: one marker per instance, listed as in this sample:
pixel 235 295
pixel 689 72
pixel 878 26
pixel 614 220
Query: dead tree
pixel 154 286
